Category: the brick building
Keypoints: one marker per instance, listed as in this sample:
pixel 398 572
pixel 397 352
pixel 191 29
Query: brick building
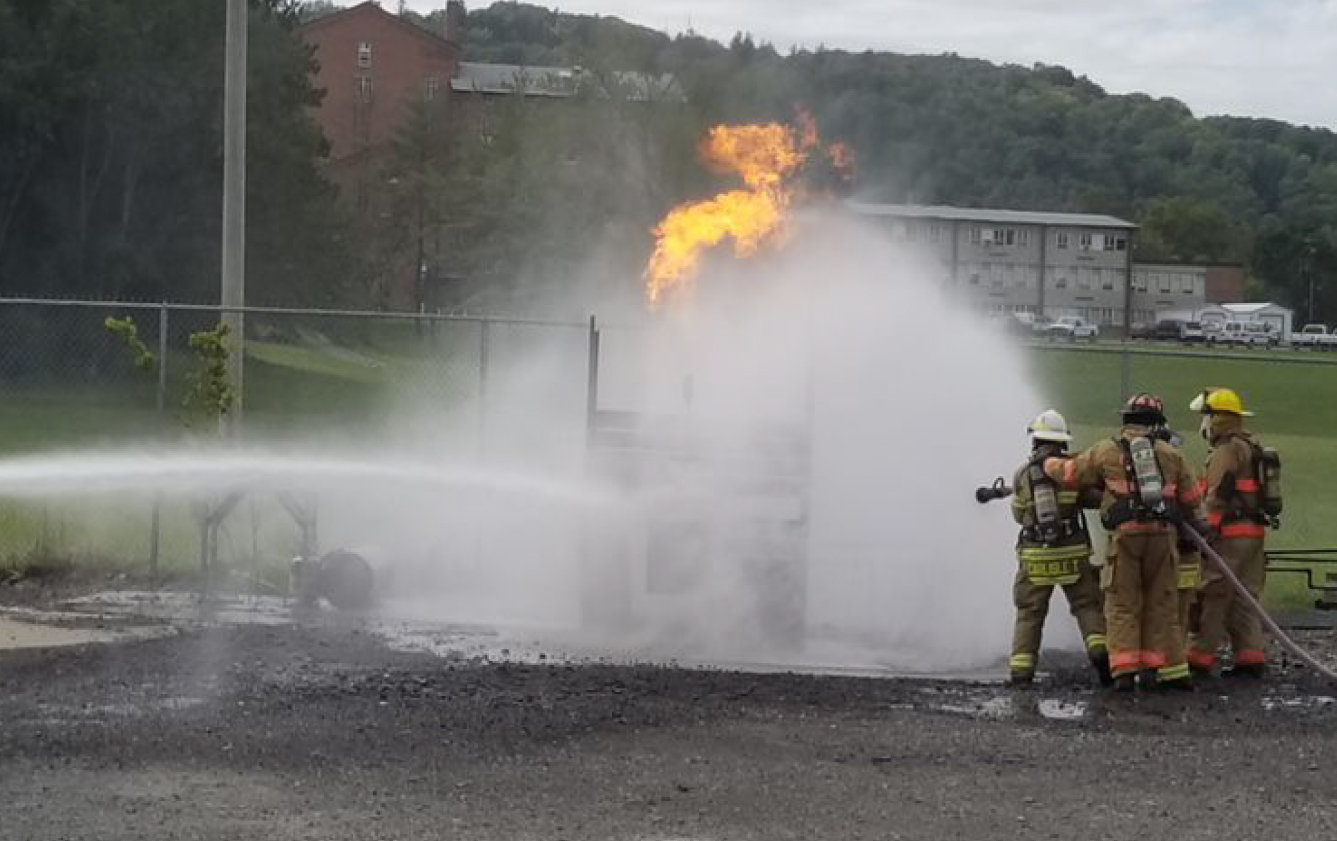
pixel 373 66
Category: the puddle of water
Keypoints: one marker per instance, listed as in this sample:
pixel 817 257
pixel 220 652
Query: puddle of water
pixel 23 633
pixel 1301 702
pixel 1056 710
pixel 255 610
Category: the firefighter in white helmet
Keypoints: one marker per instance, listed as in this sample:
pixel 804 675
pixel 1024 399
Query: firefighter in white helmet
pixel 1053 550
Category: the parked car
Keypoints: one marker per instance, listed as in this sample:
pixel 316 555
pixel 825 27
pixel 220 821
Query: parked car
pixel 1140 330
pixel 1191 331
pixel 1244 334
pixel 1072 327
pixel 1315 336
pixel 1168 329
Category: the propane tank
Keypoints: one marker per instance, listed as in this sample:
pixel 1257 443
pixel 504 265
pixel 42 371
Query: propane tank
pixel 1147 473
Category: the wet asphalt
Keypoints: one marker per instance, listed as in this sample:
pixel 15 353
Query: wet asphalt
pixel 294 731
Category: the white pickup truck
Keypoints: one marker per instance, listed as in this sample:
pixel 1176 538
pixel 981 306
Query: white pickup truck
pixel 1072 327
pixel 1315 336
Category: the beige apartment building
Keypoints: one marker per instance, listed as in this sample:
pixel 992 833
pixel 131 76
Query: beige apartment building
pixel 1054 264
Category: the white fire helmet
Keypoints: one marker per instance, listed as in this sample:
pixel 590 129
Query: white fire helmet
pixel 1049 426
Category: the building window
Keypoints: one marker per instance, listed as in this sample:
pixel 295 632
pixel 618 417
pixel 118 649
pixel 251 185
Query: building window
pixel 1108 276
pixel 1061 239
pixel 1121 243
pixel 1084 242
pixel 430 86
pixel 364 55
pixel 1084 278
pixel 1024 238
pixel 364 89
pixel 1140 281
pixel 998 276
pixel 976 235
pixel 974 278
pixel 1186 284
pixel 1010 236
pixel 1060 282
pixel 1108 242
pixel 1164 280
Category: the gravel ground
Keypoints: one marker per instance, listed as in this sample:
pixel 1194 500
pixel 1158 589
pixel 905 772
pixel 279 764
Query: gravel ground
pixel 286 732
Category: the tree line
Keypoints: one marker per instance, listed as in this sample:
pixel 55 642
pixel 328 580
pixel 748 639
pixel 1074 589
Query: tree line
pixel 110 155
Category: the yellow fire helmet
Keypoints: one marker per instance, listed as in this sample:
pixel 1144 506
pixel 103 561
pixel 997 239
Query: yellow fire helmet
pixel 1219 400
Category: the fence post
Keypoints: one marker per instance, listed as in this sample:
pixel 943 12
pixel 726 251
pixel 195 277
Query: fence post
pixel 592 383
pixel 1125 372
pixel 155 536
pixel 483 343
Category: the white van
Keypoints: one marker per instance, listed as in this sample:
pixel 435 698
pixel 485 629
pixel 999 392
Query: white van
pixel 1243 333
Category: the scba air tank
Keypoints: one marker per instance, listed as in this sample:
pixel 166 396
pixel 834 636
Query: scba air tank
pixel 1147 473
pixel 1046 502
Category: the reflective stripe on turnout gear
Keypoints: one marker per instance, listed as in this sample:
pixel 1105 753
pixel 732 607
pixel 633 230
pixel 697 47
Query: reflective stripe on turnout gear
pixel 1190 576
pixel 1144 527
pixel 1061 572
pixel 1244 529
pixel 1095 643
pixel 1201 659
pixel 1126 661
pixel 1176 672
pixel 1022 663
pixel 1250 657
pixel 1247 485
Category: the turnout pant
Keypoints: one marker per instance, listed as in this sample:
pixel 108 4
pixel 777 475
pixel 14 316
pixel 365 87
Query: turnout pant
pixel 1190 579
pixel 1032 603
pixel 1142 605
pixel 1223 615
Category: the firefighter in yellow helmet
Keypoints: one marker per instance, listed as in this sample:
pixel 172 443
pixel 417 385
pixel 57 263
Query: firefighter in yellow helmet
pixel 1146 487
pixel 1238 516
pixel 1053 550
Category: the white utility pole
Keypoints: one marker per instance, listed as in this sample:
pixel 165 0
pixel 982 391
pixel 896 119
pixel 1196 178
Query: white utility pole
pixel 233 292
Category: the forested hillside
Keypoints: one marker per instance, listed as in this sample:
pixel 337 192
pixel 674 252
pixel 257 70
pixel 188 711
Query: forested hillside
pixel 948 129
pixel 110 155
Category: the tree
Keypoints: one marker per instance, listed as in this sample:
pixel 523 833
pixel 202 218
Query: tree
pixel 110 153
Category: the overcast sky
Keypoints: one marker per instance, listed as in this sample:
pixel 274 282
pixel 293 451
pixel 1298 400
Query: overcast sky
pixel 1266 58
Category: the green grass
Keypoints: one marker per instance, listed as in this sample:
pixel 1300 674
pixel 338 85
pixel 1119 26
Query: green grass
pixel 1296 406
pixel 294 388
pixel 355 381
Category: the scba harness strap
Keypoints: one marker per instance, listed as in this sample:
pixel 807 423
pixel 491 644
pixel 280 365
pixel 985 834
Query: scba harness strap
pixel 1140 504
pixel 1055 519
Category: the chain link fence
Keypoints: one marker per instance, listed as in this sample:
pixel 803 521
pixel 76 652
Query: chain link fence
pixel 316 378
pixel 369 379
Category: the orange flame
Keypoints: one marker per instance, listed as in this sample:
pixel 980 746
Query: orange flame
pixel 842 160
pixel 765 157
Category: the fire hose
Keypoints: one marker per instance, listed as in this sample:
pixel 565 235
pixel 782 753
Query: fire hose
pixel 1243 592
pixel 1000 490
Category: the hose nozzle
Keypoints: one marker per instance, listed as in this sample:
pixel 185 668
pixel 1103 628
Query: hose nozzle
pixel 988 493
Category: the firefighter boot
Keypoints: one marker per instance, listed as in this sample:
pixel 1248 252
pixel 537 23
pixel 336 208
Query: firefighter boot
pixel 1250 671
pixel 1125 683
pixel 1100 661
pixel 1020 680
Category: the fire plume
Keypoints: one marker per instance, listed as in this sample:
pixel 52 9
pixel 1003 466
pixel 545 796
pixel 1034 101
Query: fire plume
pixel 765 157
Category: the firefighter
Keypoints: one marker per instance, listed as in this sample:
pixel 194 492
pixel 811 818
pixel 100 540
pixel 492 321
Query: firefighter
pixel 1146 488
pixel 1053 550
pixel 1190 561
pixel 1236 512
